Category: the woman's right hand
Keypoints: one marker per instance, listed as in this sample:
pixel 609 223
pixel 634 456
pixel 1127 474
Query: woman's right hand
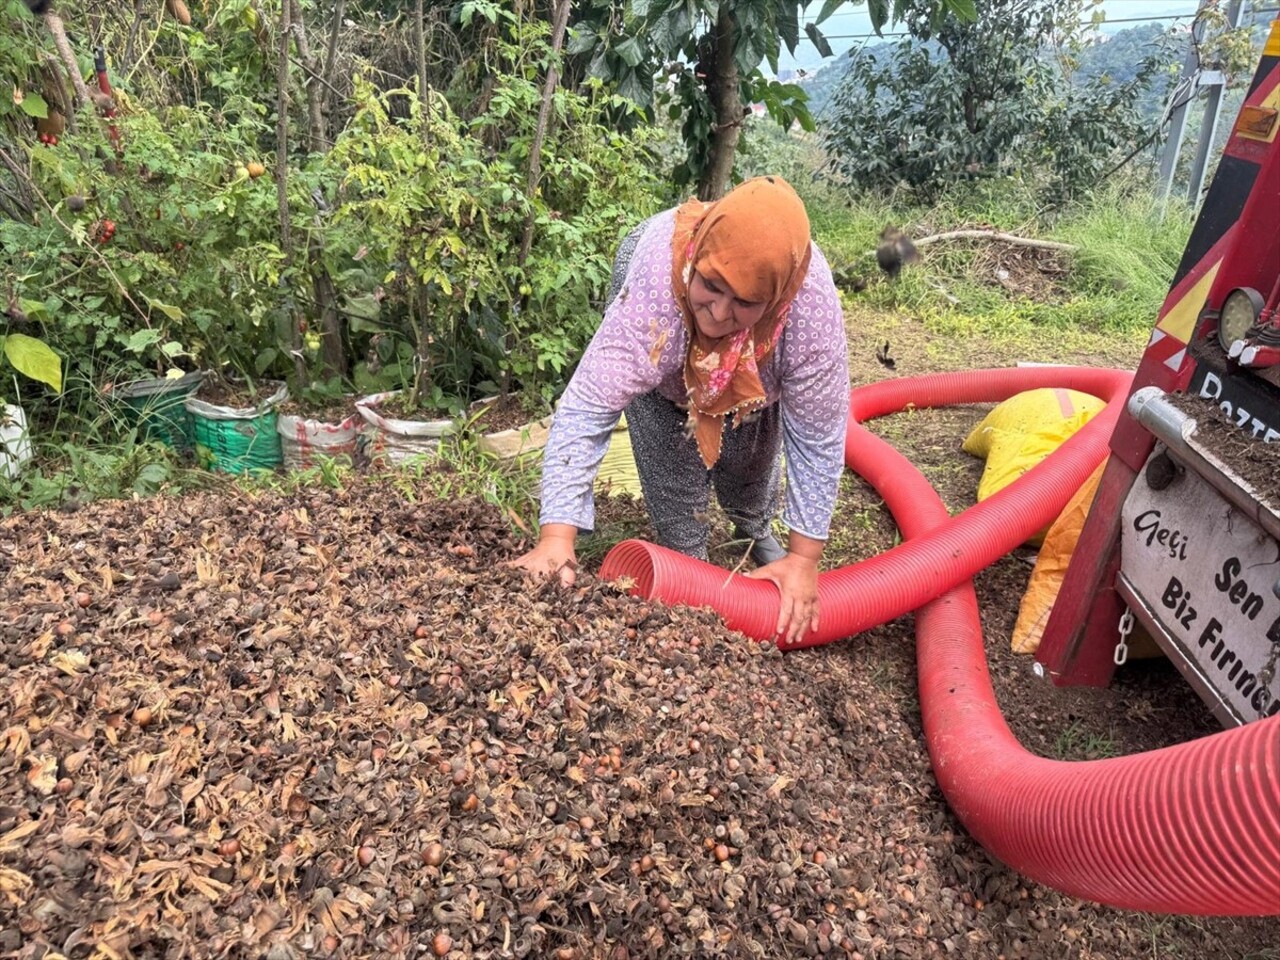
pixel 554 554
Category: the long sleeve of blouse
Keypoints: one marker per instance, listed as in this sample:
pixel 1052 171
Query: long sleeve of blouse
pixel 640 346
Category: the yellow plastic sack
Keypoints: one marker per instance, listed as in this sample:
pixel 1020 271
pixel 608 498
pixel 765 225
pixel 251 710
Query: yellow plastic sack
pixel 1010 455
pixel 1051 569
pixel 1023 430
pixel 1029 412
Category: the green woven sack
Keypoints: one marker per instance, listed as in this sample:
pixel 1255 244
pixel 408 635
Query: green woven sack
pixel 237 439
pixel 157 408
pixel 237 446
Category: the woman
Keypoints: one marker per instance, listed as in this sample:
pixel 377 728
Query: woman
pixel 724 343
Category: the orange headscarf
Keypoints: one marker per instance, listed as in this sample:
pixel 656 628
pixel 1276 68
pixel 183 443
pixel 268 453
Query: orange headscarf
pixel 755 240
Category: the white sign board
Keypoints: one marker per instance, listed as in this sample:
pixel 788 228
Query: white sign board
pixel 1208 576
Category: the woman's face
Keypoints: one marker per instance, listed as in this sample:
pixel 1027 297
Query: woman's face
pixel 717 310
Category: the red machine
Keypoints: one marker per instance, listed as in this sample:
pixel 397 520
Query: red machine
pixel 1177 538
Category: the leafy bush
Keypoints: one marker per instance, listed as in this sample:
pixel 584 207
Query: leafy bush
pixel 168 255
pixel 993 98
pixel 443 206
pixel 163 257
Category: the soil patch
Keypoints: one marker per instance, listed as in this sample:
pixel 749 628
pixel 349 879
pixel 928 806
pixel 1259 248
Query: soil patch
pixel 507 412
pixel 397 407
pixel 330 410
pixel 1028 272
pixel 1031 272
pixel 1248 456
pixel 236 394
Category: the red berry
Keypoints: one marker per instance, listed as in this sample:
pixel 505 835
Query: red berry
pixel 179 245
pixel 53 141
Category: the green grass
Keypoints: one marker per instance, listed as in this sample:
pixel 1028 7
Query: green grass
pixel 1008 330
pixel 70 472
pixel 1077 743
pixel 462 470
pixel 1113 283
pixel 333 474
pixel 1127 255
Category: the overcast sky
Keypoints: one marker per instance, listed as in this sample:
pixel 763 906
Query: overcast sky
pixel 853 19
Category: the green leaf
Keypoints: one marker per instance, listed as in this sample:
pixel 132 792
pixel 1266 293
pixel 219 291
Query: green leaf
pixel 828 8
pixel 264 360
pixel 679 26
pixel 748 52
pixel 173 313
pixel 364 306
pixel 630 52
pixel 640 9
pixel 582 41
pixel 172 349
pixel 660 36
pixel 633 89
pixel 878 10
pixel 805 118
pixel 818 39
pixel 142 339
pixel 599 66
pixel 789 26
pixel 34 359
pixel 33 105
pixel 150 478
pixel 34 309
pixel 966 10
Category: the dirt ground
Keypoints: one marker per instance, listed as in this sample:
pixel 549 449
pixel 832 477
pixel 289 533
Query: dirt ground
pixel 1253 461
pixel 331 724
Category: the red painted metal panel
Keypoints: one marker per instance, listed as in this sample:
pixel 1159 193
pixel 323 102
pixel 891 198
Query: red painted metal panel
pixel 1238 232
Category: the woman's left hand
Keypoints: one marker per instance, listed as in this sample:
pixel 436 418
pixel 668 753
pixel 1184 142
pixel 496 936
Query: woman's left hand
pixel 796 577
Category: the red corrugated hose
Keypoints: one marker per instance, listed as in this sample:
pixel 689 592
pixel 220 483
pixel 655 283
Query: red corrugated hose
pixel 1193 828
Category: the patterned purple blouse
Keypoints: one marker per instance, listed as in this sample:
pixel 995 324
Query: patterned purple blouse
pixel 641 345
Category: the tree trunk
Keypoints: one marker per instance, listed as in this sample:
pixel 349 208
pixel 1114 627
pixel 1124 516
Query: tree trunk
pixel 326 296
pixel 420 313
pixel 420 50
pixel 558 27
pixel 315 115
pixel 726 102
pixel 63 45
pixel 971 110
pixel 333 351
pixel 282 197
pixel 139 11
pixel 331 59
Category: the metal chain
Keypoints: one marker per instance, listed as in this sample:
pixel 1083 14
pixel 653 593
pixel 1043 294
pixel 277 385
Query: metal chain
pixel 1121 656
pixel 1268 672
